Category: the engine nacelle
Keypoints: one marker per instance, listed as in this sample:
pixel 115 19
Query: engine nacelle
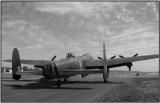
pixel 50 71
pixel 129 65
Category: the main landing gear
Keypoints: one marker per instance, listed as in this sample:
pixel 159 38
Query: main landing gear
pixel 59 82
pixel 65 79
pixel 105 77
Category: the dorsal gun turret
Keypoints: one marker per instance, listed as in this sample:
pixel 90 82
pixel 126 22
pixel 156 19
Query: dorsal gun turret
pixel 70 55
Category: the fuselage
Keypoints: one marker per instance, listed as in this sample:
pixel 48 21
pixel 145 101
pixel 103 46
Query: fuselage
pixel 77 62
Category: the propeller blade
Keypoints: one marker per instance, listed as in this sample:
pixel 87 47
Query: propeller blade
pixel 135 55
pixel 38 66
pixel 99 57
pixel 112 57
pixel 121 56
pixel 53 58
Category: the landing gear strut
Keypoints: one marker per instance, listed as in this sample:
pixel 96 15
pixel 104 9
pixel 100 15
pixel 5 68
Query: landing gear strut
pixel 105 76
pixel 59 83
pixel 65 79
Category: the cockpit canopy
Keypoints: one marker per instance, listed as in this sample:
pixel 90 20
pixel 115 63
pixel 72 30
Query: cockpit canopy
pixel 69 55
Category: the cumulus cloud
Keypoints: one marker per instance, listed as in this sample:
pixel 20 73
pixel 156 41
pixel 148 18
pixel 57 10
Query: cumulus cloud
pixel 85 8
pixel 62 7
pixel 79 26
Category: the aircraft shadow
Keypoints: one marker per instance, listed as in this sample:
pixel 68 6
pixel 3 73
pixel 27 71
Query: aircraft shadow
pixel 92 82
pixel 50 85
pixel 9 80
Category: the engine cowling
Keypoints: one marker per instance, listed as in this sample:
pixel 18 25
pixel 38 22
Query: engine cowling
pixel 129 65
pixel 50 71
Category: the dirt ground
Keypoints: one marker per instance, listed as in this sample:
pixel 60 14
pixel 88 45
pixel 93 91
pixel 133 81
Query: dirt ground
pixel 141 89
pixel 122 88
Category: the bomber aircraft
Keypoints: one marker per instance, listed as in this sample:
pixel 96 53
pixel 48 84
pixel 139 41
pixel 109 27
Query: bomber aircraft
pixel 72 65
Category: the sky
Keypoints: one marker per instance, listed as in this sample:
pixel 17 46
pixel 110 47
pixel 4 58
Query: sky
pixel 41 30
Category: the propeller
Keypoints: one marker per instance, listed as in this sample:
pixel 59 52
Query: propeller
pixel 110 58
pixel 129 65
pixel 121 56
pixel 113 57
pixel 135 55
pixel 55 67
pixel 53 58
pixel 99 57
pixel 124 57
pixel 43 66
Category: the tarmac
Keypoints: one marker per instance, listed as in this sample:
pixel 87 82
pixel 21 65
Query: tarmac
pixel 76 89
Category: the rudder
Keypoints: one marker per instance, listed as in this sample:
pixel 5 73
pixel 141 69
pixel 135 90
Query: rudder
pixel 106 69
pixel 16 64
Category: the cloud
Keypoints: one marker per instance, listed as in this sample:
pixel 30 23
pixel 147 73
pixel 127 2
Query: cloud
pixel 28 34
pixel 135 32
pixel 74 7
pixel 142 47
pixel 14 29
pixel 34 46
pixel 61 7
pixel 78 26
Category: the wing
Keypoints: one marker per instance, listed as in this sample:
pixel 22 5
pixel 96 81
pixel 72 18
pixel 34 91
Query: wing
pixel 84 71
pixel 118 61
pixel 31 62
pixel 40 72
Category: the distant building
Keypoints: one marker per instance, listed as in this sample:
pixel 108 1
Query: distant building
pixel 6 70
pixel 3 69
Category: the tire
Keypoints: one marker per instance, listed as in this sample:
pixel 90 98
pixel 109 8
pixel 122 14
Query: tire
pixel 59 83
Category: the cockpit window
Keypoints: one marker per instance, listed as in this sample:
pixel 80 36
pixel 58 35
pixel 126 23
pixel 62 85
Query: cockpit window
pixel 70 55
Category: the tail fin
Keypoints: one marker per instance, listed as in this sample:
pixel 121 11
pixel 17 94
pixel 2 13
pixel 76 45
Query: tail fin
pixel 16 64
pixel 106 70
pixel 104 52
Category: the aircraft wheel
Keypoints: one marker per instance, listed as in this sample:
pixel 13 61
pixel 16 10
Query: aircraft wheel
pixel 59 83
